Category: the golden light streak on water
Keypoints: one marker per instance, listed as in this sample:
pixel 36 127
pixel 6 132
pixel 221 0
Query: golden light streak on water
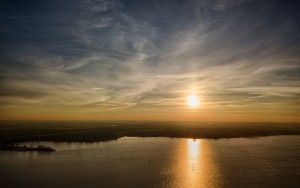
pixel 195 165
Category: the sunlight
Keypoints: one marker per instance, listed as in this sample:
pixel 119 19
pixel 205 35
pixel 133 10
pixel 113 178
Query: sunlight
pixel 193 149
pixel 193 101
pixel 194 165
pixel 193 160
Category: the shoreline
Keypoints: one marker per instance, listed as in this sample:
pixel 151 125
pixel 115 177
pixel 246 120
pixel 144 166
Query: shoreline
pixel 24 148
pixel 97 132
pixel 114 139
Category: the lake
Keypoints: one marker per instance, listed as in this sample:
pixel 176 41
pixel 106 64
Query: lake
pixel 157 162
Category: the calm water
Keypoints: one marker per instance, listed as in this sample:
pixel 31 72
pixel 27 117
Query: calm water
pixel 158 162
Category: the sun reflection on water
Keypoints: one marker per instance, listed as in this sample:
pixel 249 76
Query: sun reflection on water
pixel 195 166
pixel 193 149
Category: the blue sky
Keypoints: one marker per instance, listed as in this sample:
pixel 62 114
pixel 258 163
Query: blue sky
pixel 141 59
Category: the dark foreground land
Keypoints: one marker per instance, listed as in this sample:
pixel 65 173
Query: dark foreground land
pixel 77 131
pixel 15 147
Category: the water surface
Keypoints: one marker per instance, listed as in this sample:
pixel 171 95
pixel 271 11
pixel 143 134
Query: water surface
pixel 158 162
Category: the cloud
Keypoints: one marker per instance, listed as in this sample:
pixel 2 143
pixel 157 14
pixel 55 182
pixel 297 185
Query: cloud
pixel 109 55
pixel 21 92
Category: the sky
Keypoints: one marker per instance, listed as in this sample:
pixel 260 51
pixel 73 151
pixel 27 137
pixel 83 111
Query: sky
pixel 140 60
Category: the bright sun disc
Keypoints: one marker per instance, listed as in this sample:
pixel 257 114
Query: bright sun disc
pixel 193 101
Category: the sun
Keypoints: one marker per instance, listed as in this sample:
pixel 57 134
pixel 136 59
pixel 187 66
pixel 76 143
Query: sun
pixel 193 101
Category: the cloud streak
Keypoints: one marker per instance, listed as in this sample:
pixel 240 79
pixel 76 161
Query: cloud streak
pixel 131 56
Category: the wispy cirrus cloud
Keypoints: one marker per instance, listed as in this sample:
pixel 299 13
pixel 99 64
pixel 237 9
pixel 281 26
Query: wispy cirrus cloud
pixel 133 55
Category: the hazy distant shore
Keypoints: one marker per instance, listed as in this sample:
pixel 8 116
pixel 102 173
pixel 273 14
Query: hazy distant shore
pixel 58 131
pixel 24 148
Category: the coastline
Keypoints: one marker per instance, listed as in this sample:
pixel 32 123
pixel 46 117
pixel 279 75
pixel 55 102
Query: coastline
pixel 106 131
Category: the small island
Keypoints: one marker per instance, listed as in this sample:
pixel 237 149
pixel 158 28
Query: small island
pixel 16 147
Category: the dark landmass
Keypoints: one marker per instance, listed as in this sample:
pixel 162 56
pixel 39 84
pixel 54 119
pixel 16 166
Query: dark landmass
pixel 14 147
pixel 78 131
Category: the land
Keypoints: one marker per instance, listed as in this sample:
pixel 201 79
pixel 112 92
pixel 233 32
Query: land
pixel 16 147
pixel 78 131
